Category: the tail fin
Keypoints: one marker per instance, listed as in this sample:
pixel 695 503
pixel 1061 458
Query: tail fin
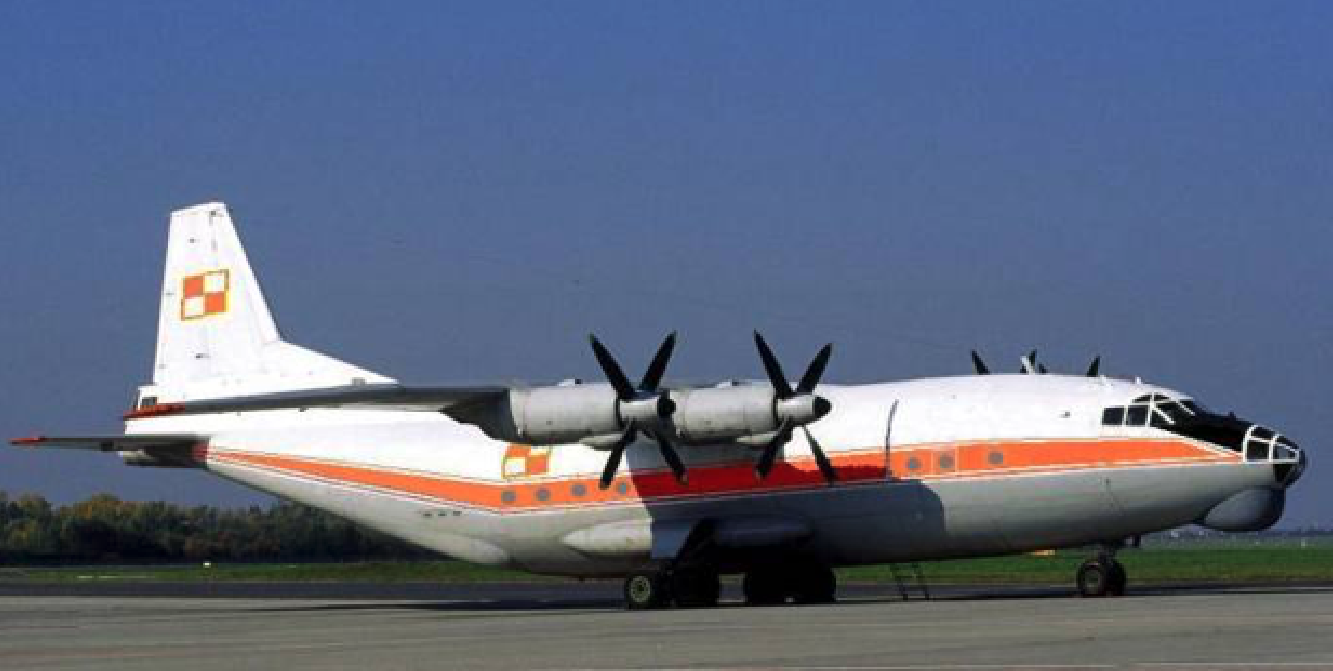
pixel 215 335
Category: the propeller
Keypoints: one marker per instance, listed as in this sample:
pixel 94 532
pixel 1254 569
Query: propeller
pixel 1030 365
pixel 1094 368
pixel 795 407
pixel 643 404
pixel 979 365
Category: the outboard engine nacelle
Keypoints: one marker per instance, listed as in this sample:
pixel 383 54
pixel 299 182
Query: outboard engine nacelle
pixel 589 413
pixel 563 414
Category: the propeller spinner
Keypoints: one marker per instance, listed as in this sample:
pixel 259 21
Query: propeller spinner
pixel 795 407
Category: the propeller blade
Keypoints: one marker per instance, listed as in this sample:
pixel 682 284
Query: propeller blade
pixel 825 466
pixel 671 457
pixel 612 465
pixel 614 374
pixel 816 370
pixel 613 459
pixel 1094 368
pixel 1029 363
pixel 773 368
pixel 653 376
pixel 766 458
pixel 978 364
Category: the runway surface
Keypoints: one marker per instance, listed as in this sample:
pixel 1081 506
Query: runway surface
pixel 582 626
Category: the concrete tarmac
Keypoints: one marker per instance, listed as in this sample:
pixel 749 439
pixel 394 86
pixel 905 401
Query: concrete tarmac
pixel 563 626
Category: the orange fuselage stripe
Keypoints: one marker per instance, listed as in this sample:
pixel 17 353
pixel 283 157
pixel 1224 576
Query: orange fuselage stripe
pixel 954 461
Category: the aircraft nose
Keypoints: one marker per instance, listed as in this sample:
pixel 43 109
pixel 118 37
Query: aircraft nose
pixel 1290 478
pixel 1289 461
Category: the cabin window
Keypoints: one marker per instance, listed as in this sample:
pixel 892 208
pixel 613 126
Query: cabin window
pixel 1113 416
pixel 1137 415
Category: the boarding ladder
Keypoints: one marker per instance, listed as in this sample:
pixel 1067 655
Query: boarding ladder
pixel 915 575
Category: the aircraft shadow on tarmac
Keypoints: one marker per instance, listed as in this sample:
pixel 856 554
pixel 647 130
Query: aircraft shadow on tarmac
pixel 859 596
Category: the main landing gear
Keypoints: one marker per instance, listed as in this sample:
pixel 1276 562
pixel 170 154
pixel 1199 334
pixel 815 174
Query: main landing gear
pixel 1101 575
pixel 685 588
pixel 807 583
pixel 699 587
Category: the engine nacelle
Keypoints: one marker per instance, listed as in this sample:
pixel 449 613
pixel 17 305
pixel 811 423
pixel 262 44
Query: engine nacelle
pixel 564 414
pixel 723 414
pixel 587 413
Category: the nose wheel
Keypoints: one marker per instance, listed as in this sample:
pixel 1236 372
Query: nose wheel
pixel 1101 576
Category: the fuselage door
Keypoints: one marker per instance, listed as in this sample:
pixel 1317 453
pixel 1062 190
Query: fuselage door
pixel 888 441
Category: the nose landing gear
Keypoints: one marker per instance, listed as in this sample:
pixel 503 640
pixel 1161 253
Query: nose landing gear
pixel 1101 576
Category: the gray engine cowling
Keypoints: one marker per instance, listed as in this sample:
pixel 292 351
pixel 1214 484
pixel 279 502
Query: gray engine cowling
pixel 587 413
pixel 549 415
pixel 723 414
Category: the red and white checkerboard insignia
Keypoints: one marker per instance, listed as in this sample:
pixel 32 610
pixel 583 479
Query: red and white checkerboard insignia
pixel 205 294
pixel 525 461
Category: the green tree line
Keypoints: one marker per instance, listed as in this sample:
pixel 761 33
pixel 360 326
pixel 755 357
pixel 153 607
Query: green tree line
pixel 104 529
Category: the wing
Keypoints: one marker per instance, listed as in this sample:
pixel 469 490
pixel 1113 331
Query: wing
pixel 448 400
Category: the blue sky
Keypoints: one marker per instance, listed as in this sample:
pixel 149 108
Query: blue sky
pixel 460 192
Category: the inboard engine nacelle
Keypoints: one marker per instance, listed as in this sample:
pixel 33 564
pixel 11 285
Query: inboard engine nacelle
pixel 748 414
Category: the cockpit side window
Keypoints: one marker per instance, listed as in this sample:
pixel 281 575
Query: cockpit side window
pixel 1156 410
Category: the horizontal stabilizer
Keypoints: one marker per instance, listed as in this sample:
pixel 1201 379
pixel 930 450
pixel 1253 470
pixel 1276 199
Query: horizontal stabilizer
pixel 113 443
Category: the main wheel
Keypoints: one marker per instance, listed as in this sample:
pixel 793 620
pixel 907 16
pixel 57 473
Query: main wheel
pixel 695 588
pixel 763 587
pixel 1118 579
pixel 815 584
pixel 1093 578
pixel 646 590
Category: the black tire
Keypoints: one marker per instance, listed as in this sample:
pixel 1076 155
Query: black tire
pixel 1119 579
pixel 695 588
pixel 816 584
pixel 763 587
pixel 1093 578
pixel 646 590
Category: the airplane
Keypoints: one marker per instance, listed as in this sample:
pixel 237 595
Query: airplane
pixel 670 487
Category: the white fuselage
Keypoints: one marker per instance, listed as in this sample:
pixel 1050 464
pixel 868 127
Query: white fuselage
pixel 927 469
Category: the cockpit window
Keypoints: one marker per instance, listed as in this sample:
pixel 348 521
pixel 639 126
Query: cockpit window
pixel 1188 418
pixel 1156 410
